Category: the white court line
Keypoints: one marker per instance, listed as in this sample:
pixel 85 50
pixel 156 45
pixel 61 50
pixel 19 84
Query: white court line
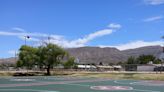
pixel 27 90
pixel 133 83
pixel 142 83
pixel 145 90
pixel 78 85
pixel 67 84
pixel 120 82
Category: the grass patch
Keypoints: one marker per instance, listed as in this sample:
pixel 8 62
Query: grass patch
pixel 112 75
pixel 136 76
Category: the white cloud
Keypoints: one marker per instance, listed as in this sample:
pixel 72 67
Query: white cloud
pixel 22 34
pixel 154 2
pixel 114 26
pixel 18 29
pixel 153 18
pixel 60 40
pixel 135 44
pixel 38 37
pixel 94 35
pixel 81 41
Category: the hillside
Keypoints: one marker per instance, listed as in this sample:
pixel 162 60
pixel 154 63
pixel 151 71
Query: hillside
pixel 88 55
pixel 8 60
pixel 149 50
pixel 97 55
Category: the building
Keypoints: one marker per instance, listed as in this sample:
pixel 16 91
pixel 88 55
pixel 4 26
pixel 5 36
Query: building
pixel 147 67
pixel 105 68
pixel 86 67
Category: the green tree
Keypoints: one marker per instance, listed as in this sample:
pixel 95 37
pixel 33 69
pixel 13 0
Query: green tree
pixel 50 55
pixel 44 56
pixel 144 59
pixel 70 63
pixel 27 56
pixel 131 60
pixel 120 63
pixel 157 61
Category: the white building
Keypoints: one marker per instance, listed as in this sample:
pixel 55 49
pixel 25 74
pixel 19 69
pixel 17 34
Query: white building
pixel 86 67
pixel 146 67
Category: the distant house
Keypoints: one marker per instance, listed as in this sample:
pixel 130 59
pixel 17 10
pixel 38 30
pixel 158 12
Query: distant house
pixel 147 67
pixel 86 67
pixel 130 67
pixel 144 67
pixel 109 68
pixel 105 68
pixel 117 67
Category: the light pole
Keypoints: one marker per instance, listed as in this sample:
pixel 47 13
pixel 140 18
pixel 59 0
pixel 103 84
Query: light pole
pixel 49 38
pixel 26 37
pixel 15 55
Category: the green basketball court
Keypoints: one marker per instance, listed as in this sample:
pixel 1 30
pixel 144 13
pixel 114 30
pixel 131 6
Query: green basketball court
pixel 76 84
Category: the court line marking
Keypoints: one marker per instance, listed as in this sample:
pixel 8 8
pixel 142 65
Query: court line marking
pixel 78 85
pixel 50 83
pixel 70 84
pixel 27 90
pixel 136 84
pixel 115 90
pixel 148 83
pixel 145 90
pixel 116 81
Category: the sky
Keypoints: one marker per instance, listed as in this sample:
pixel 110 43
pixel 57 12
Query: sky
pixel 123 24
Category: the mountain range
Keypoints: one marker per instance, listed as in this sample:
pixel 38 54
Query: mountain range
pixel 111 55
pixel 95 55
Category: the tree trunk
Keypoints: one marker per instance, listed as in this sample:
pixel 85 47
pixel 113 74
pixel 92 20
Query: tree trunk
pixel 48 70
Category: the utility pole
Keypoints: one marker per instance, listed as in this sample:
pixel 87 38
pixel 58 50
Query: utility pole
pixel 26 37
pixel 49 38
pixel 15 55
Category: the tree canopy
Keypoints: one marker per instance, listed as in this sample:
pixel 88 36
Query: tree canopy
pixel 43 56
pixel 50 55
pixel 70 63
pixel 27 56
pixel 143 59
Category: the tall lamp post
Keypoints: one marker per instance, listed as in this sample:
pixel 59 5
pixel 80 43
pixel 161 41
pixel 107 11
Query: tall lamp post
pixel 25 38
pixel 49 39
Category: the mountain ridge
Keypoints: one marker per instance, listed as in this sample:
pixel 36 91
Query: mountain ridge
pixel 95 55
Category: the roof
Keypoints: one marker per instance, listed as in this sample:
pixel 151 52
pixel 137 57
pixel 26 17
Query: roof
pixel 117 66
pixel 100 66
pixel 86 66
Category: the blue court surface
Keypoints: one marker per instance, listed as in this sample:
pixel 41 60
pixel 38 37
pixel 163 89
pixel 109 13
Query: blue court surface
pixel 76 84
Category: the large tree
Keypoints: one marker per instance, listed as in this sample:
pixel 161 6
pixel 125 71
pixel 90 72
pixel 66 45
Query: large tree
pixel 45 56
pixel 50 55
pixel 143 59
